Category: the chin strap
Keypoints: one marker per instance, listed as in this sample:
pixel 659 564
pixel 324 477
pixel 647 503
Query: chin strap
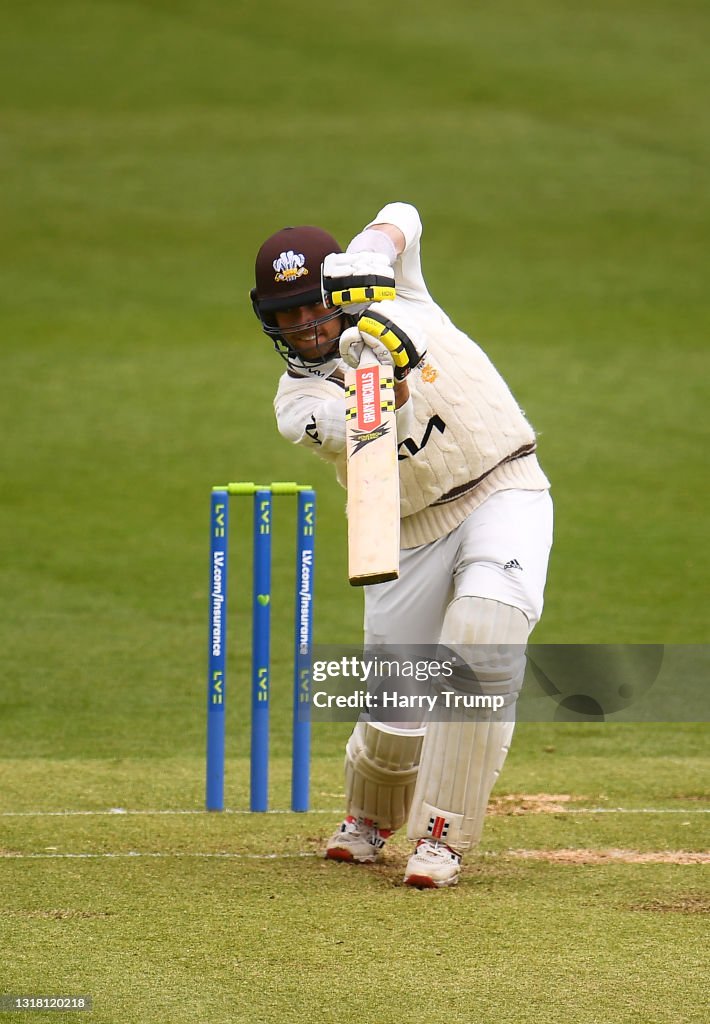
pixel 320 370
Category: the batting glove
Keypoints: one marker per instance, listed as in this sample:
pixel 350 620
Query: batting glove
pixel 352 343
pixel 355 279
pixel 388 341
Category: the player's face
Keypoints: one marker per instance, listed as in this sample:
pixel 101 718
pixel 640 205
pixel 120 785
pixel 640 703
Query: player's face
pixel 311 331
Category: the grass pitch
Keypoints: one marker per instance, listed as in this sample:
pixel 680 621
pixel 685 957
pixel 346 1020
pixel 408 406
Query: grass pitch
pixel 583 883
pixel 559 159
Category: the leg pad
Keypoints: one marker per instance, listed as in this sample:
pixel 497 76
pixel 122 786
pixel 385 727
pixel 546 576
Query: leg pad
pixel 463 755
pixel 381 765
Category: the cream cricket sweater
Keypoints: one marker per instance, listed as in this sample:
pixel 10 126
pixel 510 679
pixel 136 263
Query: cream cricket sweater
pixel 462 436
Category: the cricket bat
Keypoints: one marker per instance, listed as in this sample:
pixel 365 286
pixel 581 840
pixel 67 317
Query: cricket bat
pixel 373 473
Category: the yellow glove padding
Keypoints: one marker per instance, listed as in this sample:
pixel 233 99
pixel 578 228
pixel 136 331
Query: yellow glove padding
pixel 358 296
pixel 405 355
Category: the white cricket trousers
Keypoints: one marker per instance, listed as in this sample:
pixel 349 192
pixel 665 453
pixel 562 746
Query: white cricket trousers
pixel 499 552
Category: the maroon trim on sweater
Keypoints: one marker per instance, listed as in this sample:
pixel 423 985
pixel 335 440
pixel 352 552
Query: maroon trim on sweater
pixel 457 492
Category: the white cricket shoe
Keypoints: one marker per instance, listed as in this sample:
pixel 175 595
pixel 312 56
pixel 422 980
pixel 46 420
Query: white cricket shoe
pixel 357 841
pixel 432 866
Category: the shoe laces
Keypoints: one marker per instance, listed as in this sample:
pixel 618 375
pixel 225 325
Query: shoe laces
pixel 432 847
pixel 367 829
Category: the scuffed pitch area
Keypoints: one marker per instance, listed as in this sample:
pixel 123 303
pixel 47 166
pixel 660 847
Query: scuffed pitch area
pixel 619 856
pixel 532 803
pixel 691 904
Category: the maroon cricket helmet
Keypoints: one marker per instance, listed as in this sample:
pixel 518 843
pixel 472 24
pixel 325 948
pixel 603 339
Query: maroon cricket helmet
pixel 288 268
pixel 288 274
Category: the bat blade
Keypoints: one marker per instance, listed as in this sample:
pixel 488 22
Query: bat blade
pixel 373 474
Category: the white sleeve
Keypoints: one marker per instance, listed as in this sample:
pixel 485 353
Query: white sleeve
pixel 312 420
pixel 405 217
pixel 407 268
pixel 405 419
pixel 308 417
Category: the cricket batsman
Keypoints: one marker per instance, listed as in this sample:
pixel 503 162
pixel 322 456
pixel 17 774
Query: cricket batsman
pixel 475 523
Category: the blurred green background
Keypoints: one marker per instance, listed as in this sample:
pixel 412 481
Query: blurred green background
pixel 558 157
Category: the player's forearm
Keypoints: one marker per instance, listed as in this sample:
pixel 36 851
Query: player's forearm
pixel 399 235
pixel 401 393
pixel 403 218
pixel 395 235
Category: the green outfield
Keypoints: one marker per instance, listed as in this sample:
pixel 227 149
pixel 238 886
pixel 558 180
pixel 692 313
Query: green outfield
pixel 558 156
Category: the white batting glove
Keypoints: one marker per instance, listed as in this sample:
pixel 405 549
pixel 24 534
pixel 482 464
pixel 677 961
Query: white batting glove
pixel 352 343
pixel 355 279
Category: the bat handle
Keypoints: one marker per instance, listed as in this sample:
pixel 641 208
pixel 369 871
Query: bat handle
pixel 368 357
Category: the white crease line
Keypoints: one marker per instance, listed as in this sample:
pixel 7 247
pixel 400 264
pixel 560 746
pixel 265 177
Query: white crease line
pixel 132 854
pixel 122 811
pixel 610 856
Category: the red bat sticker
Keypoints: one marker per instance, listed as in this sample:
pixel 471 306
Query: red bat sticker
pixel 367 385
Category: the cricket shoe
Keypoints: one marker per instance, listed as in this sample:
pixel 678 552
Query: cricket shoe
pixel 357 841
pixel 432 866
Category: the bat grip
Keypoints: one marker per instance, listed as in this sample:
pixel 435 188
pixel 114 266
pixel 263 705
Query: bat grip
pixel 368 358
